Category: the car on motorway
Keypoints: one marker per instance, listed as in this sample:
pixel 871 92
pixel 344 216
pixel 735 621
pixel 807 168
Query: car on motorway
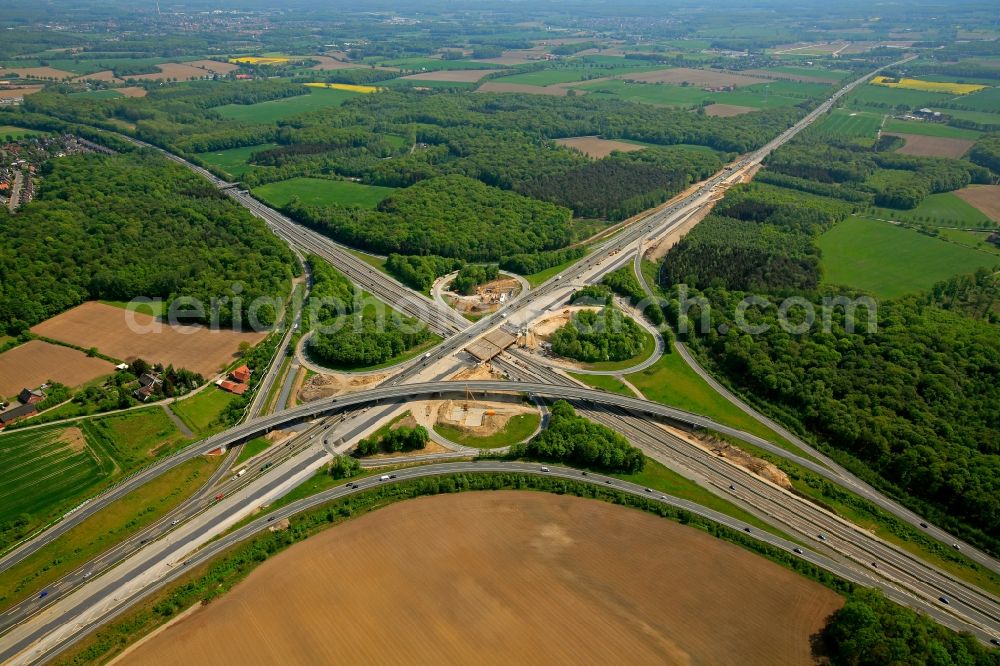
pixel 607 481
pixel 384 477
pixel 944 600
pixel 43 594
pixel 648 490
pixel 270 519
pixel 822 537
pixel 797 551
pixel 923 525
pixel 392 476
pixel 746 529
pixel 956 546
pixel 545 469
pixel 219 496
pixel 995 641
pixel 732 487
pixel 174 522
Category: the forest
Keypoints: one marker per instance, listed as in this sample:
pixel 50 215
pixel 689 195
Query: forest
pixel 870 630
pixel 576 440
pixel 122 226
pixel 884 399
pixel 419 271
pixel 350 331
pixel 403 438
pixel 452 216
pixel 623 184
pixel 603 335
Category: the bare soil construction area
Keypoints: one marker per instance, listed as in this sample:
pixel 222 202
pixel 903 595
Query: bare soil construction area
pixel 505 577
pixel 322 386
pixel 36 362
pixel 984 197
pixel 709 78
pixel 487 298
pixel 451 76
pixel 596 147
pixel 932 146
pixel 107 328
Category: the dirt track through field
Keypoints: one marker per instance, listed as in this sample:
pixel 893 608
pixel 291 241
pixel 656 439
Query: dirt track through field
pixel 500 578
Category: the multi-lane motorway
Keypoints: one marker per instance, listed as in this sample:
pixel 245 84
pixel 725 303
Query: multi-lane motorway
pixel 852 553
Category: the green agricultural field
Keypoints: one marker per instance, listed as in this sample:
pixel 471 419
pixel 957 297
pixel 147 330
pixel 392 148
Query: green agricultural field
pixel 578 70
pixel 201 412
pixel 665 94
pixel 323 192
pixel 889 98
pixel 113 524
pixel 234 161
pixel 518 429
pixel 845 124
pixel 985 100
pixel 929 129
pixel 17 132
pixel 944 208
pixel 983 117
pixel 47 471
pixel 889 261
pixel 269 112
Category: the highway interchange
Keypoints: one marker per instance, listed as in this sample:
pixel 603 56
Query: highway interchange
pixel 97 592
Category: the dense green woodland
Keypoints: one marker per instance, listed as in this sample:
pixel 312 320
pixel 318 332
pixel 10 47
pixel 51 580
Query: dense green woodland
pixel 598 335
pixel 452 216
pixel 576 440
pixel 118 227
pixel 870 630
pixel 914 401
pixel 448 137
pixel 353 329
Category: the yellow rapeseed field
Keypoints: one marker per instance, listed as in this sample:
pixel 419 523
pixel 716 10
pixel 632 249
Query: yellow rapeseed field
pixel 255 60
pixel 928 86
pixel 345 86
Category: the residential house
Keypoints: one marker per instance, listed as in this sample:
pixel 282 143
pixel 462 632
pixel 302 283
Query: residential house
pixel 31 396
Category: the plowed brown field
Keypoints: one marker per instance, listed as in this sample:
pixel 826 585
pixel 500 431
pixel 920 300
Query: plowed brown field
pixel 107 328
pixel 36 362
pixel 505 578
pixel 596 147
pixel 932 146
pixel 984 197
